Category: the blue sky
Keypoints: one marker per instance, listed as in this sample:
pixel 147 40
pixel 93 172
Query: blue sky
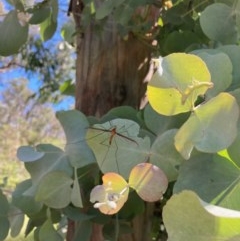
pixel 34 82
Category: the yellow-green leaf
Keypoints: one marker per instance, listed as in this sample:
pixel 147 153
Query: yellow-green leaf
pixel 175 87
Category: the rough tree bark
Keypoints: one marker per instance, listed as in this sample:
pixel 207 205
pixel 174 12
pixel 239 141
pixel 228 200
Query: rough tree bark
pixel 109 73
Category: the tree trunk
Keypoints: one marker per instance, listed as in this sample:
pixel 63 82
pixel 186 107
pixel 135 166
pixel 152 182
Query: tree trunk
pixel 109 73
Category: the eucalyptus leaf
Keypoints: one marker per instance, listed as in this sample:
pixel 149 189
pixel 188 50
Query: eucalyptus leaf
pixel 11 29
pixel 158 123
pixel 54 159
pixel 28 154
pixel 213 178
pixel 106 8
pixel 218 23
pixel 201 224
pixel 117 146
pixel 54 189
pixel 75 125
pixel 76 198
pixel 165 155
pixel 16 219
pixel 4 223
pixel 47 232
pixel 175 87
pixel 27 204
pixel 74 214
pixel 67 32
pixel 83 231
pixel 40 14
pixel 180 41
pixel 233 52
pixel 220 68
pixel 48 28
pixel 49 25
pixel 237 7
pixel 206 128
pixel 234 150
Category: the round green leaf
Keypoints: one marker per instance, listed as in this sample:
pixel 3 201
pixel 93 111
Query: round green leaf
pixel 54 190
pixel 185 216
pixel 75 125
pixel 233 52
pixel 149 181
pixel 28 154
pixel 39 14
pixel 217 22
pixel 158 123
pixel 213 178
pixel 180 79
pixel 11 30
pixel 117 146
pixel 206 128
pixel 180 41
pixel 54 159
pixel 220 68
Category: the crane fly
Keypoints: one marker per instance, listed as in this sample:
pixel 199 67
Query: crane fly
pixel 108 144
pixel 113 132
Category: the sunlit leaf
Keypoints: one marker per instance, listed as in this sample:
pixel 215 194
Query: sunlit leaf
pixel 180 79
pixel 28 154
pixel 149 181
pixel 206 128
pixel 111 195
pixel 11 30
pixel 186 218
pixel 117 146
pixel 218 23
pixel 54 190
